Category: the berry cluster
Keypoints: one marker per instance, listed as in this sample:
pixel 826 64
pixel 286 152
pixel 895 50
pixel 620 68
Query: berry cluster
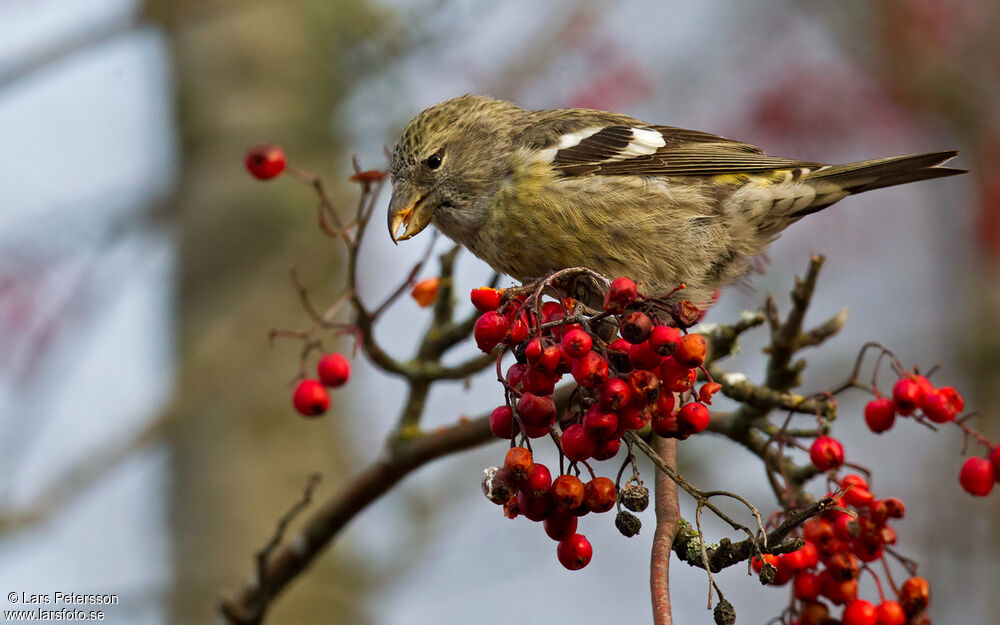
pixel 916 397
pixel 840 544
pixel 623 383
pixel 311 398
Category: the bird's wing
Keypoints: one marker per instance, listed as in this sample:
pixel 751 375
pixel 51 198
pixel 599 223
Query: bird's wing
pixel 621 149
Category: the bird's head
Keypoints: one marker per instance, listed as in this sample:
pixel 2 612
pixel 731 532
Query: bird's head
pixel 447 165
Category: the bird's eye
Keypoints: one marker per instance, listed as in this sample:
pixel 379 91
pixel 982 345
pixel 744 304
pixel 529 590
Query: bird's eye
pixel 434 160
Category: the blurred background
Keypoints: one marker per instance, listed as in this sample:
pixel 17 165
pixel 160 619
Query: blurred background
pixel 147 442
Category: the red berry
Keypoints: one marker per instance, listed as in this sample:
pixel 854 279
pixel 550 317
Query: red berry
pixel 859 612
pixel 265 161
pixel 538 482
pixel 535 410
pixel 490 329
pixel 616 394
pixel 576 443
pixel 600 425
pixel 567 491
pixel 539 382
pixel 890 613
pixel 758 563
pixel 880 414
pixel 691 350
pixel 806 586
pixel 937 408
pixel 599 494
pixel 608 449
pixel 518 463
pixel 676 376
pixel 894 508
pixel 310 398
pixel 858 495
pixel 635 327
pixel 810 556
pixel 620 295
pixel 560 526
pixel 591 371
pixel 576 343
pixel 664 422
pixel 693 418
pixel 977 477
pixel 535 508
pixel 518 331
pixel 642 356
pixel 486 299
pixel 953 398
pixel 906 393
pixel 515 373
pixel 838 591
pixel 826 453
pixel 575 552
pixel 664 340
pixel 502 422
pixel 634 417
pixel 334 370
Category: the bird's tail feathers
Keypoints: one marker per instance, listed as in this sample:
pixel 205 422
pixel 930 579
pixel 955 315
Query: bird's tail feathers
pixel 879 173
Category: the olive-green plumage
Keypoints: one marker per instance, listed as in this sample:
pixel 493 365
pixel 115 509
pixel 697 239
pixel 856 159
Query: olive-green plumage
pixel 531 192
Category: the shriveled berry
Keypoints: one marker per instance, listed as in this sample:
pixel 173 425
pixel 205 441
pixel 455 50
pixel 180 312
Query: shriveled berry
pixel 906 394
pixel 894 508
pixel 486 299
pixel 707 391
pixel 890 613
pixel 560 526
pixel 576 443
pixel 519 463
pixel 859 612
pixel 576 343
pixel 502 422
pixel 490 329
pixel 635 327
pixel 915 595
pixel 616 394
pixel 635 497
pixel 724 613
pixel 618 351
pixel 575 552
pixel 826 453
pixel 693 417
pixel 310 398
pixel 498 485
pixel 515 373
pixel 535 410
pixel 627 523
pixel 814 613
pixel 599 494
pixel 664 340
pixel 691 350
pixel 880 414
pixel 591 371
pixel 644 386
pixel 567 491
pixel 333 370
pixel 265 161
pixel 977 477
pixel 620 295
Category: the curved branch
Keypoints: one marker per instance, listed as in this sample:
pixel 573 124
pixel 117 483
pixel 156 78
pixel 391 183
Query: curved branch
pixel 667 517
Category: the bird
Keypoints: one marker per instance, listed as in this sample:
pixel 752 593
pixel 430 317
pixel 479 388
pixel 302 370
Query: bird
pixel 531 192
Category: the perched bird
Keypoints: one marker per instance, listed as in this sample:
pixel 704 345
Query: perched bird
pixel 534 191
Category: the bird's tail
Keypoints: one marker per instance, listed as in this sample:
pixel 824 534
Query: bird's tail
pixel 851 178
